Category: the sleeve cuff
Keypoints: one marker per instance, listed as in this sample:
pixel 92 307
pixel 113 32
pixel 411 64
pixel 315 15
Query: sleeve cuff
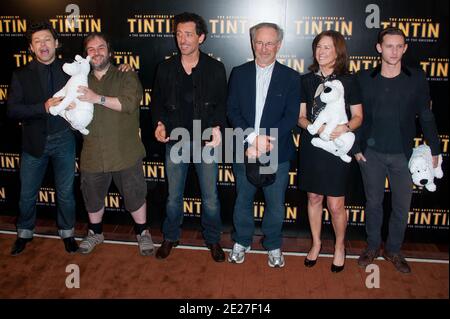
pixel 250 138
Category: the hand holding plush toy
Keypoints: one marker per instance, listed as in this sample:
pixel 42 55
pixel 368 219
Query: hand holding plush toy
pixel 421 167
pixel 332 115
pixel 81 115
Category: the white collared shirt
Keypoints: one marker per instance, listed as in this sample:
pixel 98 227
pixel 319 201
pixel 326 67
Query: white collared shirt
pixel 263 77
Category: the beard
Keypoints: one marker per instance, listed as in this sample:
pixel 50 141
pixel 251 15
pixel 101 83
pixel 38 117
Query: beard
pixel 100 67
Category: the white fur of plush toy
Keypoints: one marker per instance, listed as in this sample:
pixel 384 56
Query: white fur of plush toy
pixel 421 167
pixel 332 115
pixel 80 116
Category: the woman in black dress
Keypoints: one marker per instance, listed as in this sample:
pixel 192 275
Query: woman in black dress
pixel 322 174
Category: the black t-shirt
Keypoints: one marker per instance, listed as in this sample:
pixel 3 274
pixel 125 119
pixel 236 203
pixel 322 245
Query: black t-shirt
pixel 385 136
pixel 186 99
pixel 55 123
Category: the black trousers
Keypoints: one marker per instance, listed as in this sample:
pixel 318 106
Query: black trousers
pixel 374 172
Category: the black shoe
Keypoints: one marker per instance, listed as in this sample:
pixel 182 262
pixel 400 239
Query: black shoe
pixel 311 263
pixel 165 248
pixel 337 269
pixel 19 245
pixel 70 244
pixel 217 253
pixel 398 261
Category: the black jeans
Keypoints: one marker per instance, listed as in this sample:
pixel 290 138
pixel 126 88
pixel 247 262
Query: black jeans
pixel 374 172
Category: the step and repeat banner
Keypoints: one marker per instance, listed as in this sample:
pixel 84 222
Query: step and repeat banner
pixel 142 35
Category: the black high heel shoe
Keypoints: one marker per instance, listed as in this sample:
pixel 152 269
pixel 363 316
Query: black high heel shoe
pixel 337 269
pixel 311 263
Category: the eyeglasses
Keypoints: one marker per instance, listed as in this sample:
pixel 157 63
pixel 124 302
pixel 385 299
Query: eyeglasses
pixel 269 45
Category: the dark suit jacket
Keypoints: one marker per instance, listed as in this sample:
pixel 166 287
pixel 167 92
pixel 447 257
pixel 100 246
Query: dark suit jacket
pixel 281 108
pixel 26 101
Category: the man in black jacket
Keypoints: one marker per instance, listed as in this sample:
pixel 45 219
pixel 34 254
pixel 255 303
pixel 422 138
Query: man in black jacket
pixel 44 137
pixel 190 89
pixel 393 95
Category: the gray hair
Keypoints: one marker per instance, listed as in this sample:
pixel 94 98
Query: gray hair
pixel 274 26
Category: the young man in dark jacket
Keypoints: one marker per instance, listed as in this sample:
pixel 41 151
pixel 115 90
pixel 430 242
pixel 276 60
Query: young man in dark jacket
pixel 190 88
pixel 393 95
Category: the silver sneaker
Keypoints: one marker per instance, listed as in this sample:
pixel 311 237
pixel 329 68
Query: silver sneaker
pixel 276 258
pixel 237 255
pixel 145 243
pixel 89 242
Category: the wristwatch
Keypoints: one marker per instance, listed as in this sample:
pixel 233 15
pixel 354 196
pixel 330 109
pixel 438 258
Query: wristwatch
pixel 102 100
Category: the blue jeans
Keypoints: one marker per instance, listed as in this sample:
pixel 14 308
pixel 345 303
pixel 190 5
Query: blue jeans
pixel 60 149
pixel 210 216
pixel 274 211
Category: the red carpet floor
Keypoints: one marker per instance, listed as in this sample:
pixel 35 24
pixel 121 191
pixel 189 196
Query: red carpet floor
pixel 118 271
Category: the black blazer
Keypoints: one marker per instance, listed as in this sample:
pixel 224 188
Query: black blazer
pixel 281 108
pixel 210 93
pixel 415 102
pixel 26 101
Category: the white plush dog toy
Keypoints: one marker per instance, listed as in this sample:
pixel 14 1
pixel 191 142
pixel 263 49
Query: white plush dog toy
pixel 421 167
pixel 332 115
pixel 80 116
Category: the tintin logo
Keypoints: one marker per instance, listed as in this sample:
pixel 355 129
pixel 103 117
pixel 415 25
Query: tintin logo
pixel 9 162
pixel 149 25
pixel 146 99
pixel 128 58
pixel 154 171
pixel 355 215
pixel 192 207
pixel 2 194
pixel 229 26
pixel 296 139
pixel 46 197
pixel 428 218
pixel 308 27
pixel 363 63
pixel 78 25
pixel 444 143
pixel 290 214
pixel 12 26
pixel 113 202
pixel 226 176
pixel 292 61
pixel 436 69
pixel 3 93
pixel 293 179
pixel 415 29
pixel 23 58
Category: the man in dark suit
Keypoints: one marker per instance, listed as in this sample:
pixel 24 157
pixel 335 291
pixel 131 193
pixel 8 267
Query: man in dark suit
pixel 44 137
pixel 263 95
pixel 393 95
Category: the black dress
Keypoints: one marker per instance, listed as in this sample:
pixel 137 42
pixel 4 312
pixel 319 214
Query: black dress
pixel 319 171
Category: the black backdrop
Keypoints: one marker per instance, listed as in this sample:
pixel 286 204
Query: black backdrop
pixel 142 36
